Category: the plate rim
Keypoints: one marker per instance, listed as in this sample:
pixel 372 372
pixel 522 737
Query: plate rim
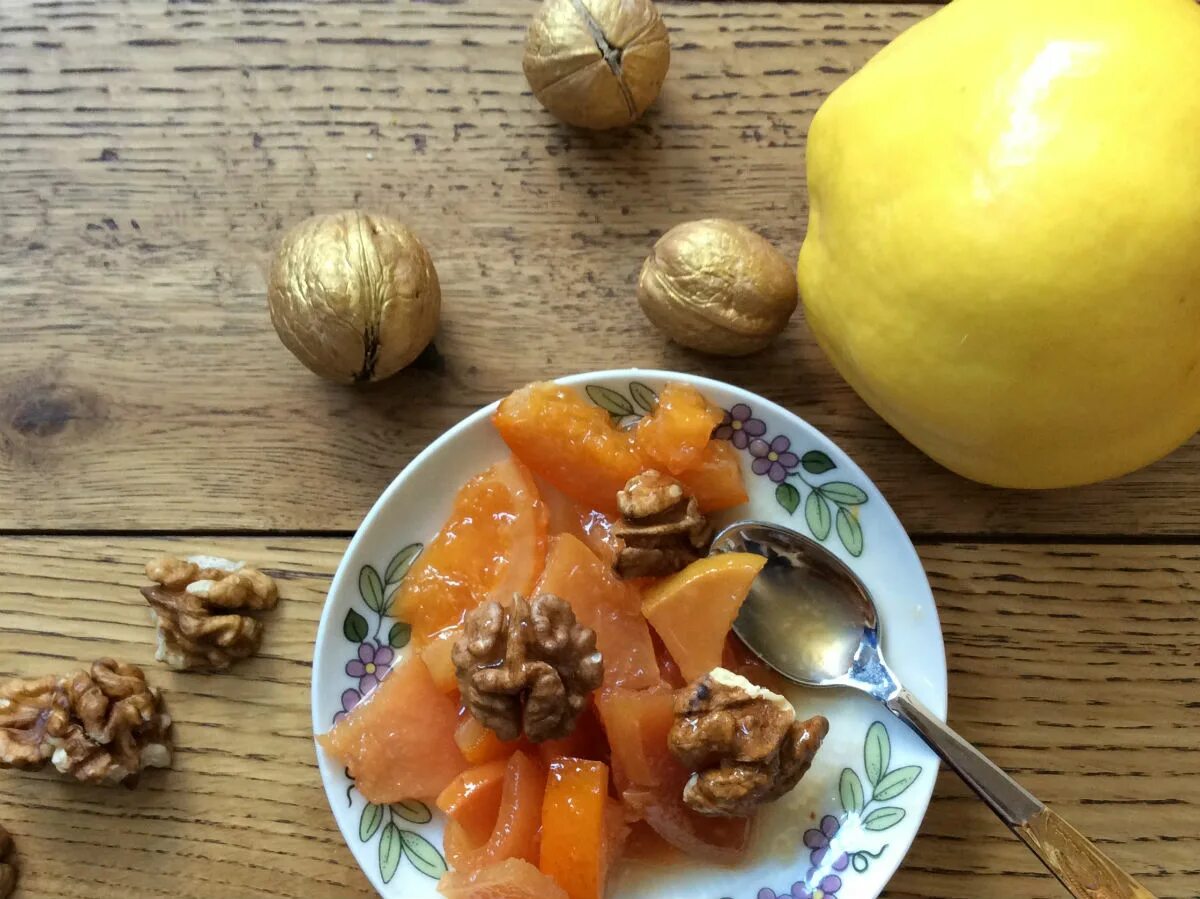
pixel 923 797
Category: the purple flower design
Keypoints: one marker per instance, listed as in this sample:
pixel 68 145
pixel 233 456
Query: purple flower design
pixel 738 427
pixel 825 888
pixel 350 698
pixel 773 459
pixel 372 664
pixel 820 841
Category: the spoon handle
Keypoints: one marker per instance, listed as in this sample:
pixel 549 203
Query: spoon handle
pixel 1074 859
pixel 1084 870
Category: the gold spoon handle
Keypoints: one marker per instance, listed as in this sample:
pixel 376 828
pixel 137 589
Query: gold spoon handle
pixel 1074 859
pixel 1070 856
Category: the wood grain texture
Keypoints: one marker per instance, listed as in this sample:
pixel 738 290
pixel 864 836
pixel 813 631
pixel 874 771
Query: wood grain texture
pixel 1072 666
pixel 151 154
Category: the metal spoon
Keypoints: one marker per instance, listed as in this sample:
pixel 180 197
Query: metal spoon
pixel 810 618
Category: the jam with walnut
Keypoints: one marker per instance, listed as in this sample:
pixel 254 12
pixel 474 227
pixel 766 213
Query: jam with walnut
pixel 528 667
pixel 742 741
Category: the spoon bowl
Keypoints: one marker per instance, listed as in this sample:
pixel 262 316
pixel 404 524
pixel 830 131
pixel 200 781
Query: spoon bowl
pixel 809 617
pixel 803 589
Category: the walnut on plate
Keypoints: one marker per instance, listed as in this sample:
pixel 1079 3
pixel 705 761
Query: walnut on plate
pixel 198 605
pixel 527 667
pixel 103 725
pixel 742 741
pixel 8 864
pixel 661 530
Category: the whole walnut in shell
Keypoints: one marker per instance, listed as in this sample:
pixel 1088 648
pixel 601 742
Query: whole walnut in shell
pixel 354 295
pixel 715 286
pixel 597 63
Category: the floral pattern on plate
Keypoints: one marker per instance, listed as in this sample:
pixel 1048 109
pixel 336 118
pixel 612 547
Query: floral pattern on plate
pixel 836 844
pixel 372 654
pixel 830 507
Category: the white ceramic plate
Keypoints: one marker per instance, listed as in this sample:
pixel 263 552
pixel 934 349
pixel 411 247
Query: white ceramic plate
pixel 843 832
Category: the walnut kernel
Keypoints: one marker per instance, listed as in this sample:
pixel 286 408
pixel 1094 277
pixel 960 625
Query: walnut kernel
pixel 528 667
pixel 184 604
pixel 742 741
pixel 661 529
pixel 103 725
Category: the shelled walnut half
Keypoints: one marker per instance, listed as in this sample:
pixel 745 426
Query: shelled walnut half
pixel 742 741
pixel 104 725
pixel 661 529
pixel 528 667
pixel 199 605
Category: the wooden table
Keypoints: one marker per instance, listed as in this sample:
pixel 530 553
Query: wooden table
pixel 152 153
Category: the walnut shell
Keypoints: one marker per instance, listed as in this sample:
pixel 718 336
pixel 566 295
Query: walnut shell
pixel 715 286
pixel 597 63
pixel 354 295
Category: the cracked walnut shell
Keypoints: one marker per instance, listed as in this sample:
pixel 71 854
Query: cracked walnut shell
pixel 597 63
pixel 103 725
pixel 661 530
pixel 354 295
pixel 197 604
pixel 528 667
pixel 742 741
pixel 717 287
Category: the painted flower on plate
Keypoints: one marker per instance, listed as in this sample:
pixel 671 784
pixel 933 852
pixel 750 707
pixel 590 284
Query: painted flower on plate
pixel 372 664
pixel 350 698
pixel 739 427
pixel 820 841
pixel 774 459
pixel 825 888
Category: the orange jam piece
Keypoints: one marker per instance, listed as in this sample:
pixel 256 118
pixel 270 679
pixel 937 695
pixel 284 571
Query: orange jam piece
pixel 492 545
pixel 673 437
pixel 570 442
pixel 398 743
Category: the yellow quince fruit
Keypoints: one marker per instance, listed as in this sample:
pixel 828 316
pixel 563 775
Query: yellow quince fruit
pixel 1003 250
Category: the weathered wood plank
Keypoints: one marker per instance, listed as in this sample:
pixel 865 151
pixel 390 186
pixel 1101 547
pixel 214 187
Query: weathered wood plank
pixel 1073 666
pixel 151 154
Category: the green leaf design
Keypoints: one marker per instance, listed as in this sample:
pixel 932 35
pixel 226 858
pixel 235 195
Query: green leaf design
pixel 645 398
pixel 370 585
pixel 355 627
pixel 368 824
pixel 883 818
pixel 401 562
pixel 843 493
pixel 389 601
pixel 850 532
pixel 850 791
pixel 609 399
pixel 423 854
pixel 817 514
pixel 399 635
pixel 877 752
pixel 411 810
pixel 896 782
pixel 788 497
pixel 391 848
pixel 816 462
